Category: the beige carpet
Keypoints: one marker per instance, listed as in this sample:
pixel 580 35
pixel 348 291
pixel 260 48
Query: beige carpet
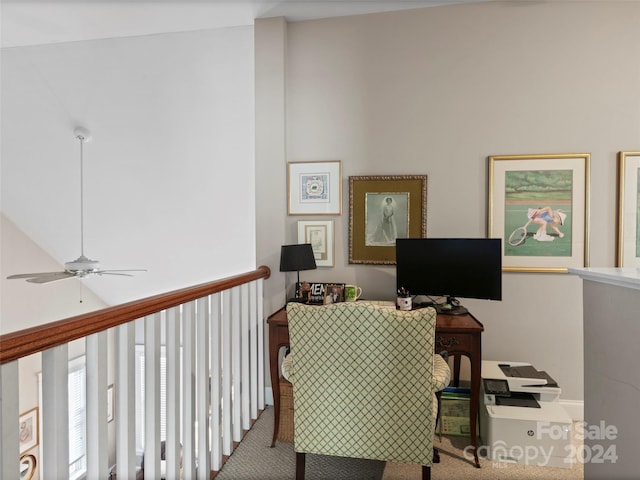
pixel 254 459
pixel 455 464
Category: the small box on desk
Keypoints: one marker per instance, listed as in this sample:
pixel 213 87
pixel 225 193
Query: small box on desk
pixel 454 412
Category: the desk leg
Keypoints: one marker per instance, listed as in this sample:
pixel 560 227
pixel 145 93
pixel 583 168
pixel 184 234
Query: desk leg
pixel 475 396
pixel 275 385
pixel 456 370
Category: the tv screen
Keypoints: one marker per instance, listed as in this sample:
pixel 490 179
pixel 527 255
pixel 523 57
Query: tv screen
pixel 451 267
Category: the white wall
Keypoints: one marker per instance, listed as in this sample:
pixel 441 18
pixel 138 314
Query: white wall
pixel 169 173
pixel 23 304
pixel 436 91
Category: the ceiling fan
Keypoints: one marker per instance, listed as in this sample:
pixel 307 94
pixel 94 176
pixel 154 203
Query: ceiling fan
pixel 82 266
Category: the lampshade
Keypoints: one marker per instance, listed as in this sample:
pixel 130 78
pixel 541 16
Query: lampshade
pixel 294 258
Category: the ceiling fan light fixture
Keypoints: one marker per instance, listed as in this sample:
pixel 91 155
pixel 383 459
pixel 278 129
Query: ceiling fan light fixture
pixel 82 263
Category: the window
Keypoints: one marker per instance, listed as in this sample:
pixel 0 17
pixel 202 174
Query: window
pixel 140 396
pixel 77 418
pixel 77 379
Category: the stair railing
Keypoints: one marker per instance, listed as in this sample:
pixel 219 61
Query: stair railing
pixel 211 365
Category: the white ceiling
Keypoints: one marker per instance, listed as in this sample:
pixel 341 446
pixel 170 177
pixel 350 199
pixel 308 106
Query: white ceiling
pixel 38 22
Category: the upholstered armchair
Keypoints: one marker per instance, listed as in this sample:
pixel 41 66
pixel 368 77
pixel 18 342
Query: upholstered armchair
pixel 363 382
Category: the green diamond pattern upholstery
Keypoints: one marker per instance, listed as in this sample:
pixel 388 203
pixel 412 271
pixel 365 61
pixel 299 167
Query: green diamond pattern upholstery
pixel 362 378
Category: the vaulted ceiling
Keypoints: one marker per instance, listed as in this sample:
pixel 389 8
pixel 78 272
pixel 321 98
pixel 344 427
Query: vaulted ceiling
pixel 53 21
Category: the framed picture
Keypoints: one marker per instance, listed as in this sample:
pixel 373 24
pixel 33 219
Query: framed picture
pixel 333 293
pixel 539 207
pixel 381 209
pixel 28 424
pixel 315 188
pixel 319 293
pixel 109 403
pixel 628 209
pixel 319 233
pixel 28 465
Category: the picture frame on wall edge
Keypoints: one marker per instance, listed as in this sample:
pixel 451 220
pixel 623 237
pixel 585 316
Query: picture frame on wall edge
pixel 628 245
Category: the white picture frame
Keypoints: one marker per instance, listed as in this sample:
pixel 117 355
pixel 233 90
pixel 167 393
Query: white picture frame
pixel 315 188
pixel 319 233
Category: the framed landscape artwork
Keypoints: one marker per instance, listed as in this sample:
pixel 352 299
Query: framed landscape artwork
pixel 539 207
pixel 628 209
pixel 381 209
pixel 315 188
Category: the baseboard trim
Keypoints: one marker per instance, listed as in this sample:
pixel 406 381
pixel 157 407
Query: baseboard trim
pixel 268 396
pixel 575 409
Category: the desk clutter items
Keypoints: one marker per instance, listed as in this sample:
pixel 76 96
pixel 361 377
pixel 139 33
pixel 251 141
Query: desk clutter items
pixel 319 293
pixel 403 300
pixel 352 293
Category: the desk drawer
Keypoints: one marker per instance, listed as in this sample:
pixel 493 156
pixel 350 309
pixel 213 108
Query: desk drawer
pixel 453 342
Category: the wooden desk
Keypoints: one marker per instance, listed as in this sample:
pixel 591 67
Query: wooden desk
pixel 457 334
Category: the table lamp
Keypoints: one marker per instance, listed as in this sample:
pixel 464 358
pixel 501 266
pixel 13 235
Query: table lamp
pixel 294 258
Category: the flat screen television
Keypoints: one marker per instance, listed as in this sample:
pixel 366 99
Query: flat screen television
pixel 451 268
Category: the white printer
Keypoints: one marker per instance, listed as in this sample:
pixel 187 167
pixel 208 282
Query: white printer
pixel 521 419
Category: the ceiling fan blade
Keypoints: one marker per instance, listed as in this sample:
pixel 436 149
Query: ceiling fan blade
pixel 123 270
pixel 111 272
pixel 29 275
pixel 51 278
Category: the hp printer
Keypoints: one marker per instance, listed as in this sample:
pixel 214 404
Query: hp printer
pixel 521 418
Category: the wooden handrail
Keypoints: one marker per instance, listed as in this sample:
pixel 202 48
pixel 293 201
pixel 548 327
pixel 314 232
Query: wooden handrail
pixel 32 340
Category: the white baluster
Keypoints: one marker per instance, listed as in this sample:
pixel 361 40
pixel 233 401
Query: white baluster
pixel 202 387
pixel 125 406
pixel 172 446
pixel 188 397
pixel 9 426
pixel 55 413
pixel 216 355
pixel 245 392
pixel 260 357
pixel 152 328
pixel 226 346
pixel 236 404
pixel 96 384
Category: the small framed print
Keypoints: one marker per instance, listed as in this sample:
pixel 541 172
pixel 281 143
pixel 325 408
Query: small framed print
pixel 28 433
pixel 315 188
pixel 319 233
pixel 629 209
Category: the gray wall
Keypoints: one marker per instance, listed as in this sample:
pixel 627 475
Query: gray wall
pixel 611 331
pixel 436 91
